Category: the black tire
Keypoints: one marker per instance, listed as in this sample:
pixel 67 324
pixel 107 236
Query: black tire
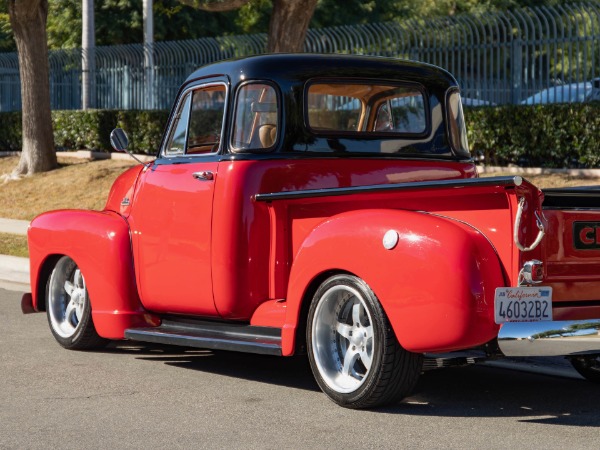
pixel 353 351
pixel 68 308
pixel 588 366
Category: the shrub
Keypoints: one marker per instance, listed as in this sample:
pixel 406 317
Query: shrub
pixel 558 136
pixel 144 128
pixel 90 130
pixel 10 131
pixel 76 130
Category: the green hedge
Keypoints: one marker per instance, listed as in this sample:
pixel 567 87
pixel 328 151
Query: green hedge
pixel 537 136
pixel 77 130
pixel 554 136
pixel 10 131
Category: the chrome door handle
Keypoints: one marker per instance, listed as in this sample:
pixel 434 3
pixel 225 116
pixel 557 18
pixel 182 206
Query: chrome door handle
pixel 206 175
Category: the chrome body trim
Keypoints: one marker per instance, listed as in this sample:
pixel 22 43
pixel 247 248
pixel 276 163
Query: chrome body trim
pixel 506 181
pixel 550 338
pixel 214 335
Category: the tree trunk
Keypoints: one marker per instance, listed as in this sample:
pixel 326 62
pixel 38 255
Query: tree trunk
pixel 288 25
pixel 28 21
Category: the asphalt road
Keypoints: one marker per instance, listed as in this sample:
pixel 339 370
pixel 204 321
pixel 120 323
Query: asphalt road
pixel 132 396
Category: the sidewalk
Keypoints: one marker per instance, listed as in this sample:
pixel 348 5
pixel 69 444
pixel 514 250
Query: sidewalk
pixel 14 271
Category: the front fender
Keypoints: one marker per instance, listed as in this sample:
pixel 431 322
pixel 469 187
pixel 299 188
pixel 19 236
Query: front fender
pixel 436 285
pixel 99 242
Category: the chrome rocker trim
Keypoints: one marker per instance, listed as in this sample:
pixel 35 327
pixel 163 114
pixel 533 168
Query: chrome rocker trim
pixel 550 338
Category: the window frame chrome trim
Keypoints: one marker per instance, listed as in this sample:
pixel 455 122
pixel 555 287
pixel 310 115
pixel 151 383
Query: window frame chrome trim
pixel 182 96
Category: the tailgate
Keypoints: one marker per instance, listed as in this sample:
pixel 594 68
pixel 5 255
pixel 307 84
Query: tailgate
pixel 572 248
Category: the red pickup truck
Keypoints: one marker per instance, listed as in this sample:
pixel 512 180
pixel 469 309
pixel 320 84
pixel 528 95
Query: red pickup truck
pixel 325 205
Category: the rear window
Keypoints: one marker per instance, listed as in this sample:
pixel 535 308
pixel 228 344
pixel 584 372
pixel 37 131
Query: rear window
pixel 366 108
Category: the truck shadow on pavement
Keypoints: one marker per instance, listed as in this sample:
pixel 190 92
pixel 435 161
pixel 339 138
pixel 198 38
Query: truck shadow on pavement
pixel 481 391
pixel 473 391
pixel 290 372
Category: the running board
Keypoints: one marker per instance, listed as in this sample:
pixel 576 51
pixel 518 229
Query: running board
pixel 211 335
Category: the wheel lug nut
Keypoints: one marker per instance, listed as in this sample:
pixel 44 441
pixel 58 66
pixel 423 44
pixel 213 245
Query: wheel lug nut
pixel 354 347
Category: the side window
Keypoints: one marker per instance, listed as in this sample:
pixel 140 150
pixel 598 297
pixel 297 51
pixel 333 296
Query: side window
pixel 176 142
pixel 206 121
pixel 256 118
pixel 198 123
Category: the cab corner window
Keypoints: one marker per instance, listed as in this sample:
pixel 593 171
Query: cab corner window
pixel 198 123
pixel 256 118
pixel 456 124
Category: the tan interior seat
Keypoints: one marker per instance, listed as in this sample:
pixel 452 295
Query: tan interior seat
pixel 267 134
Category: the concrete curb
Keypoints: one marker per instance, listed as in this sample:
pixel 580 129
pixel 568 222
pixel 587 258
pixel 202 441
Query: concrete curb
pixel 13 226
pixel 14 273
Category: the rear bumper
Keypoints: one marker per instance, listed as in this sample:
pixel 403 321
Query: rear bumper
pixel 552 338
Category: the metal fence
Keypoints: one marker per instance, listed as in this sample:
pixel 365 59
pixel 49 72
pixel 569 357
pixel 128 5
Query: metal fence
pixel 498 58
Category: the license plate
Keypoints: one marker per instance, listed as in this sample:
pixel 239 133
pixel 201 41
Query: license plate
pixel 523 304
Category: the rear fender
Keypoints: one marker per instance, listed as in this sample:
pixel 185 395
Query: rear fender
pixel 436 285
pixel 99 242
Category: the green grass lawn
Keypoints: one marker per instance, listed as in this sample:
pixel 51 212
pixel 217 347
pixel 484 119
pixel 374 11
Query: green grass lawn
pixel 76 183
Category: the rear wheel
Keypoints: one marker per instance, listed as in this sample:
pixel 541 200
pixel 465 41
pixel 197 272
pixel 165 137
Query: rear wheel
pixel 353 352
pixel 588 366
pixel 69 309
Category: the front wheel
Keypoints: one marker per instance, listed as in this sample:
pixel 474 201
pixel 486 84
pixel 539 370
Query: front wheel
pixel 69 309
pixel 353 351
pixel 588 367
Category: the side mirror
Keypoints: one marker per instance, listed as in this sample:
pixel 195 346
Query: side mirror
pixel 119 140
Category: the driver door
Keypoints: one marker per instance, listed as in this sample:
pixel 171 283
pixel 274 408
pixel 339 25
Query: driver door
pixel 171 216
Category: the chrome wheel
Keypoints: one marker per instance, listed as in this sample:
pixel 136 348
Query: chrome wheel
pixel 352 349
pixel 67 298
pixel 69 309
pixel 342 336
